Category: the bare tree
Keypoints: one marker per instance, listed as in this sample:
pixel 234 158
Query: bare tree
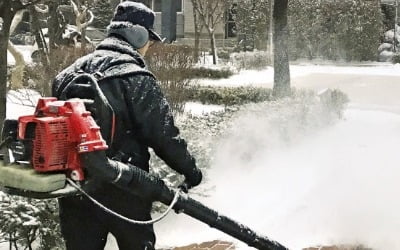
pixel 281 58
pixel 8 9
pixel 18 71
pixel 211 13
pixel 198 27
pixel 83 18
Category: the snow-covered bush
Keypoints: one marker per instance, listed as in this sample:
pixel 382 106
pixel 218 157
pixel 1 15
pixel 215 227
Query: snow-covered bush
pixel 26 223
pixel 348 29
pixel 228 96
pixel 250 60
pixel 212 73
pixel 385 47
pixel 385 56
pixel 251 29
pixel 396 58
pixel 386 51
pixel 172 64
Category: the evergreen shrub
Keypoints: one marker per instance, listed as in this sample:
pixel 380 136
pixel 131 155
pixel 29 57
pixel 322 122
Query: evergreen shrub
pixel 211 73
pixel 348 29
pixel 28 222
pixel 257 60
pixel 396 58
pixel 228 96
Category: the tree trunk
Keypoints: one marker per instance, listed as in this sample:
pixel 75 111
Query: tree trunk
pixel 40 41
pixel 213 46
pixel 197 31
pixel 270 31
pixel 6 15
pixel 281 58
pixel 83 39
pixel 53 25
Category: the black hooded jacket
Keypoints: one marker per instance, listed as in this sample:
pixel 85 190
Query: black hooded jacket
pixel 143 116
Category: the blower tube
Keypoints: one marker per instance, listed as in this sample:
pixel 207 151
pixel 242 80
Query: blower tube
pixel 141 183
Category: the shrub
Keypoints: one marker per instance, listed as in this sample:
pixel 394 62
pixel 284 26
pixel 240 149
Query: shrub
pixel 24 221
pixel 250 60
pixel 396 58
pixel 228 96
pixel 335 29
pixel 203 72
pixel 223 54
pixel 39 76
pixel 172 65
pixel 251 30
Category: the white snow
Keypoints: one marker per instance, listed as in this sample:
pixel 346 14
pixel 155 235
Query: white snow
pixel 339 186
pixel 26 51
pixel 265 77
pixel 21 102
pixel 196 108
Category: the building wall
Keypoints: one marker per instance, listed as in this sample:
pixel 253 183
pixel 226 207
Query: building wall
pixel 189 23
pixel 179 24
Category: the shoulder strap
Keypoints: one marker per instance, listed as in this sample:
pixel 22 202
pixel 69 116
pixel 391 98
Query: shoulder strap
pixel 124 69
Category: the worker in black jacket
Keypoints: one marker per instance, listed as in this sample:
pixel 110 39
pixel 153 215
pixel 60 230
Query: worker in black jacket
pixel 143 120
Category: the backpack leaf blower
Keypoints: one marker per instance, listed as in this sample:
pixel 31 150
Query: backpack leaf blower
pixel 41 155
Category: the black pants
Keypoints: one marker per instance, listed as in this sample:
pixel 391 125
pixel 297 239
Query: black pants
pixel 85 226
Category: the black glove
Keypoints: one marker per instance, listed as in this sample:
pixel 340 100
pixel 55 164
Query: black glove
pixel 191 182
pixel 195 177
pixel 184 187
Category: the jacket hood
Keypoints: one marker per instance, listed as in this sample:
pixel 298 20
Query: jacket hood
pixel 116 44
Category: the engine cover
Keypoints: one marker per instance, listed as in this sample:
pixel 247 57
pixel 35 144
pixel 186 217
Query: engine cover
pixel 57 133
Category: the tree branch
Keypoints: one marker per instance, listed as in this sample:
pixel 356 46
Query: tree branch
pixel 86 24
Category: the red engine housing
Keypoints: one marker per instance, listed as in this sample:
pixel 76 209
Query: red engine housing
pixel 61 131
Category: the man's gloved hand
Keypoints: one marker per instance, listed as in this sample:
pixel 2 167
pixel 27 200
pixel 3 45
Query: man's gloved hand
pixel 191 182
pixel 184 186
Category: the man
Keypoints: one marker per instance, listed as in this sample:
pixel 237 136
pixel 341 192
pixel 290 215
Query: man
pixel 143 120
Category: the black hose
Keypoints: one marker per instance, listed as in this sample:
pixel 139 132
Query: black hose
pixel 143 184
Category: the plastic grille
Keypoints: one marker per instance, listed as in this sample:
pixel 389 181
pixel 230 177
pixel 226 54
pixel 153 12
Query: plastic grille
pixel 51 137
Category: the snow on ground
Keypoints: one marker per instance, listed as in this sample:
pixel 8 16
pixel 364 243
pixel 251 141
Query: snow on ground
pixel 265 77
pixel 26 51
pixel 196 108
pixel 21 102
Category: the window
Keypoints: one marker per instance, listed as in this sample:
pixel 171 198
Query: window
pixel 230 25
